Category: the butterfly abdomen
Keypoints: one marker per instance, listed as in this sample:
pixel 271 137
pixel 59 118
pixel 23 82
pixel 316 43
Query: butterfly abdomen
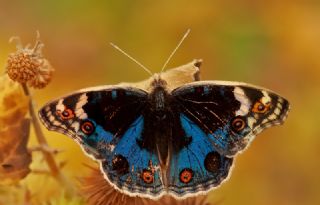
pixel 162 125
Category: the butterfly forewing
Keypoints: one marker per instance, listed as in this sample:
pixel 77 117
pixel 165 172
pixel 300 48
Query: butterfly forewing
pixel 230 114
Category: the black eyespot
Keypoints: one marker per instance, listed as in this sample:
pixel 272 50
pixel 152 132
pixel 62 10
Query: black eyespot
pixel 212 162
pixel 261 107
pixel 65 113
pixel 238 124
pixel 87 127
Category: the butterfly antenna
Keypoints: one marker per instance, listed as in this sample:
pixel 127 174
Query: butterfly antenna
pixel 134 60
pixel 174 51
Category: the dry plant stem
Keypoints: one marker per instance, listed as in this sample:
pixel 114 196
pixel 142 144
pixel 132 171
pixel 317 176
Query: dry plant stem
pixel 48 156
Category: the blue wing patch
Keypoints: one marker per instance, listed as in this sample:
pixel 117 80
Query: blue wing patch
pixel 197 167
pixel 131 168
pixel 224 138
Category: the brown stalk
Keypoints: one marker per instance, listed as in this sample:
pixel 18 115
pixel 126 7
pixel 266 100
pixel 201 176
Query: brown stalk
pixel 48 156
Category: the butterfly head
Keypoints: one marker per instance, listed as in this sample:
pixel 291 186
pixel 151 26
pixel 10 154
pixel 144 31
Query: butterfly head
pixel 158 82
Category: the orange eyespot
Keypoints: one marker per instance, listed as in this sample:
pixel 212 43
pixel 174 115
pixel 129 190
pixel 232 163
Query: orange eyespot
pixel 66 114
pixel 87 127
pixel 186 175
pixel 238 124
pixel 260 107
pixel 147 176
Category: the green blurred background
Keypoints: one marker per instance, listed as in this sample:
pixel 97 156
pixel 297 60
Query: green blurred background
pixel 274 44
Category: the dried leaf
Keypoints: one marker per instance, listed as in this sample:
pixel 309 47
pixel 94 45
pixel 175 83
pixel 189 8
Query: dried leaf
pixel 97 191
pixel 14 132
pixel 14 155
pixel 13 103
pixel 175 77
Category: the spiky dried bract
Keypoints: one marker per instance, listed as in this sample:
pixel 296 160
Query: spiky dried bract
pixel 28 66
pixel 97 191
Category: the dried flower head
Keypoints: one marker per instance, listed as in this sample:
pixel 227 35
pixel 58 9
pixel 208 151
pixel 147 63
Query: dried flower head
pixel 97 191
pixel 28 66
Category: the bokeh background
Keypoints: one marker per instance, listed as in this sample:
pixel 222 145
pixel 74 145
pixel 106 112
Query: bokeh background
pixel 274 44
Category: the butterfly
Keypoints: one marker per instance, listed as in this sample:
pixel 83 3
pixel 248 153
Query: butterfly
pixel 169 137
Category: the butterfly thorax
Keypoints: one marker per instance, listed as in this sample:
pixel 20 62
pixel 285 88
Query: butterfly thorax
pixel 162 133
pixel 159 98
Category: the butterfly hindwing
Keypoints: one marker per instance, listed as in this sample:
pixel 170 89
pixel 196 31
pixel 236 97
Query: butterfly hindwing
pixel 198 166
pixel 230 113
pixel 131 168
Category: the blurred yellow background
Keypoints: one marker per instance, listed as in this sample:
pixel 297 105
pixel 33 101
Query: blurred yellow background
pixel 274 44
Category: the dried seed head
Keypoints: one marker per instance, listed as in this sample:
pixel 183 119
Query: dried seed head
pixel 42 76
pixel 28 66
pixel 21 66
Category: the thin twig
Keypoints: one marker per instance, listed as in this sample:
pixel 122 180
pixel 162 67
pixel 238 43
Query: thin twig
pixel 48 156
pixel 43 148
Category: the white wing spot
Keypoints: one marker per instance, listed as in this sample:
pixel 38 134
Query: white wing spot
pixel 56 123
pixel 49 114
pixel 243 99
pixel 251 121
pixel 266 98
pixel 51 118
pixel 272 117
pixel 60 105
pixel 76 126
pixel 79 111
pixel 277 111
